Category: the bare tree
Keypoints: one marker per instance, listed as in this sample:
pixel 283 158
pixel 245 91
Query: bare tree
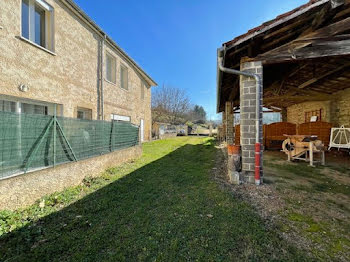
pixel 169 104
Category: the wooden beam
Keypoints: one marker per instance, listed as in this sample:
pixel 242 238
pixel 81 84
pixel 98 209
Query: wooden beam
pixel 325 14
pixel 333 29
pixel 279 22
pixel 318 78
pixel 286 97
pixel 292 91
pixel 234 91
pixel 320 18
pixel 336 3
pixel 316 94
pixel 319 36
pixel 316 50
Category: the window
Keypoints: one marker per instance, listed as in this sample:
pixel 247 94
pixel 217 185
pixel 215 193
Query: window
pixel 143 86
pixel 124 77
pixel 34 109
pixel 37 22
pixel 111 68
pixel 84 113
pixel 7 106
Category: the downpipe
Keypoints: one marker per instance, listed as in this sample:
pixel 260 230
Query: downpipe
pixel 102 75
pixel 258 86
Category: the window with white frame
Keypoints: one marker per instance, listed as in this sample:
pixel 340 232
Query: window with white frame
pixel 111 68
pixel 37 23
pixel 124 77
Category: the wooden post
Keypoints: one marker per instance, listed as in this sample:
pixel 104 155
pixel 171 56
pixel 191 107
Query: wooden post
pixel 323 161
pixel 311 147
pixel 289 152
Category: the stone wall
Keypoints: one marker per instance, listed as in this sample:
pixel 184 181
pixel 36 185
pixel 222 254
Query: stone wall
pixel 335 111
pixel 68 75
pixel 25 189
pixel 128 102
pixel 296 113
pixel 341 108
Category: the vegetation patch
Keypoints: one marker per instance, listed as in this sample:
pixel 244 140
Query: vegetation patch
pixel 164 206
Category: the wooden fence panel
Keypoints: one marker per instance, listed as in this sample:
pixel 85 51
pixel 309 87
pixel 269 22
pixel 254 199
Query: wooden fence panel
pixel 274 134
pixel 320 129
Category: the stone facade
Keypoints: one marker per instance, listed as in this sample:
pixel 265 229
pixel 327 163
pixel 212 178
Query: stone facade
pixel 69 74
pixel 296 113
pixel 335 111
pixel 34 185
pixel 340 114
pixel 248 117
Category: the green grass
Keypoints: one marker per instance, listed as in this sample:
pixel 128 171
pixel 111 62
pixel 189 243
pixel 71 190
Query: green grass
pixel 162 207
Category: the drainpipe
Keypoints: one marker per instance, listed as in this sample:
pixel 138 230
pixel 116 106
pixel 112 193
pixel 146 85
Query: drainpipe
pixel 258 82
pixel 102 75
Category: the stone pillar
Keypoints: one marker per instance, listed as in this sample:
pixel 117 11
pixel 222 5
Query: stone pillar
pixel 248 118
pixel 224 126
pixel 284 114
pixel 229 123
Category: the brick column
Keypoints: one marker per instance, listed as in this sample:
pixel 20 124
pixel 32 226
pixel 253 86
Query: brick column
pixel 229 123
pixel 248 117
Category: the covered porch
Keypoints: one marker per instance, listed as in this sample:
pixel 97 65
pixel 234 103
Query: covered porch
pixel 303 60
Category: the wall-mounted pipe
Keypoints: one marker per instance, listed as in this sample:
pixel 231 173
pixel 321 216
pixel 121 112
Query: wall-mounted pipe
pixel 258 82
pixel 102 74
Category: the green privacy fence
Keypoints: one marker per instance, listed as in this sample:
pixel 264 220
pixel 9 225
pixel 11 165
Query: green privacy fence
pixel 30 142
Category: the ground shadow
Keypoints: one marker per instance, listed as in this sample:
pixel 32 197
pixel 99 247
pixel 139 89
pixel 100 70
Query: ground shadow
pixel 168 210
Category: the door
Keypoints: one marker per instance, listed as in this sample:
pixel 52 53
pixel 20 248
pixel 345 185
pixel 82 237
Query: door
pixel 142 131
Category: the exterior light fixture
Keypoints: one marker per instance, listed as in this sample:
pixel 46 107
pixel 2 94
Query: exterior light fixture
pixel 23 88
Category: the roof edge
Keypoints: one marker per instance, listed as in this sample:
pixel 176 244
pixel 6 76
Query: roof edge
pixel 90 22
pixel 277 21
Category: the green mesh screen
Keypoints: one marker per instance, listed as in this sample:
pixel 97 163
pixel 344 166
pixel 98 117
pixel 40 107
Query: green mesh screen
pixel 30 142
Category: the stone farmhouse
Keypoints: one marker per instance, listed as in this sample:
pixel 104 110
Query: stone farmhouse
pixel 55 61
pixel 51 53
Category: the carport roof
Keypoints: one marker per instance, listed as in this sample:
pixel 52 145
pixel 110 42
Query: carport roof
pixel 275 22
pixel 319 34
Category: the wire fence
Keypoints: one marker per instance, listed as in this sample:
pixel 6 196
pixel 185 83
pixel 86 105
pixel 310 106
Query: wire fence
pixel 31 142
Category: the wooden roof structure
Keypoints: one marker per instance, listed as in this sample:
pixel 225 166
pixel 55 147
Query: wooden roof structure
pixel 305 53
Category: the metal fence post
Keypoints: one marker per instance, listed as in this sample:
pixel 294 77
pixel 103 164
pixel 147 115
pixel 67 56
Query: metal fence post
pixel 112 136
pixel 65 138
pixel 36 147
pixel 54 135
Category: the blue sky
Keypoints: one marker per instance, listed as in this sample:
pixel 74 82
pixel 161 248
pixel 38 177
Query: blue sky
pixel 175 41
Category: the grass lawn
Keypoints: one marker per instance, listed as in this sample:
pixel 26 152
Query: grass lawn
pixel 164 206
